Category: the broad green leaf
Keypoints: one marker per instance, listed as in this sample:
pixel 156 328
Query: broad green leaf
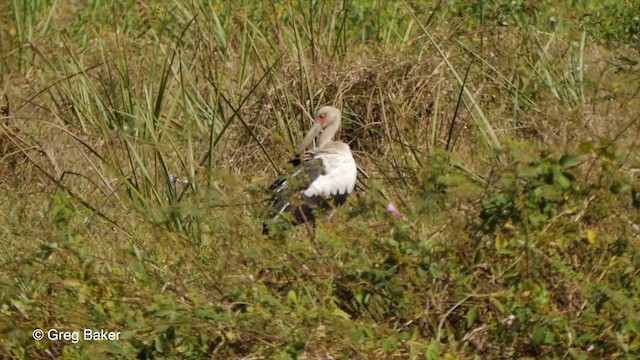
pixel 472 316
pixel 568 161
pixel 539 334
pixel 563 181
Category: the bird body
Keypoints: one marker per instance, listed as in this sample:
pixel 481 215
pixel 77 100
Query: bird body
pixel 321 179
pixel 340 171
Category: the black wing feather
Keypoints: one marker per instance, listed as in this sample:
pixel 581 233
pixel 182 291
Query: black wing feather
pixel 300 178
pixel 299 159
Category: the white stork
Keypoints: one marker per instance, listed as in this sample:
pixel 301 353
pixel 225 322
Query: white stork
pixel 321 178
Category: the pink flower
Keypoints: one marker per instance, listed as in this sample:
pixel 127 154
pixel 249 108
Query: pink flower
pixel 392 209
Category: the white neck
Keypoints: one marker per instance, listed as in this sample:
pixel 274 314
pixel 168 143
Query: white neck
pixel 327 134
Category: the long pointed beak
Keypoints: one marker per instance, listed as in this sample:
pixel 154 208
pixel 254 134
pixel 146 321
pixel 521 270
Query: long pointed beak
pixel 313 132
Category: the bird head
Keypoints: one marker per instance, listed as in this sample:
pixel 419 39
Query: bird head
pixel 327 118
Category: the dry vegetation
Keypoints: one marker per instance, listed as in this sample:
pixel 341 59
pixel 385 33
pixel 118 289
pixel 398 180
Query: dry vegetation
pixel 137 139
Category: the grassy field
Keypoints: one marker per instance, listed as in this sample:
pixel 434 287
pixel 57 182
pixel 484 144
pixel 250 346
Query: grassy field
pixel 137 140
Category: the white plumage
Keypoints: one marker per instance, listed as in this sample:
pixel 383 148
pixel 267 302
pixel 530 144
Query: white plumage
pixel 340 168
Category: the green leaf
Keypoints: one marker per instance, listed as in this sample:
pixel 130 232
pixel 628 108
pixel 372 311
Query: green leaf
pixel 563 181
pixel 369 333
pixel 159 344
pixel 539 334
pixel 436 272
pixel 422 273
pixel 522 316
pixel 341 313
pixel 498 305
pixel 206 314
pixel 577 354
pixel 472 316
pixel 136 252
pixel 126 335
pixel 292 296
pixel 160 328
pixel 388 344
pixel 363 334
pixel 433 350
pixel 569 161
pixel 550 337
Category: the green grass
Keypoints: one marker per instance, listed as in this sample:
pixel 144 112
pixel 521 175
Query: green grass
pixel 137 141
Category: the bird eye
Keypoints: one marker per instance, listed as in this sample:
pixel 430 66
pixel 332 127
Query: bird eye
pixel 322 116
